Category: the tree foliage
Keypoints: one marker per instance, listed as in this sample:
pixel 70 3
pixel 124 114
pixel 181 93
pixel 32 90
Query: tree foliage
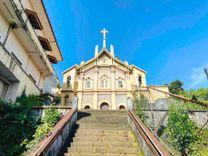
pixel 200 94
pixel 181 130
pixel 140 103
pixel 50 118
pixel 17 124
pixel 176 87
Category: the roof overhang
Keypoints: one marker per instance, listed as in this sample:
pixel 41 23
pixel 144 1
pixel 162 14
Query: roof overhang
pixel 133 66
pixel 64 72
pixel 8 11
pixel 39 7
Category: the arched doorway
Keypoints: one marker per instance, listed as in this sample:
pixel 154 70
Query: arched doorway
pixel 104 106
pixel 87 107
pixel 121 107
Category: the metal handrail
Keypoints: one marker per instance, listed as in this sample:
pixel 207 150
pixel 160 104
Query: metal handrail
pixel 180 97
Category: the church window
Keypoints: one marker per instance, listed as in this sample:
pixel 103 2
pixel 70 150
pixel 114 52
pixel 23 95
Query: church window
pixel 120 83
pixel 68 81
pixel 88 83
pixel 139 80
pixel 104 82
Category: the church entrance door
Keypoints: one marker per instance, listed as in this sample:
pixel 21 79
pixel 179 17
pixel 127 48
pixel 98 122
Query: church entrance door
pixel 104 106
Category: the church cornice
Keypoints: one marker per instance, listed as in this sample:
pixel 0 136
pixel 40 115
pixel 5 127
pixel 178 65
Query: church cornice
pixel 74 66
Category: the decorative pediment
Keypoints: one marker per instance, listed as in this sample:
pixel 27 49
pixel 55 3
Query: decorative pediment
pixel 104 60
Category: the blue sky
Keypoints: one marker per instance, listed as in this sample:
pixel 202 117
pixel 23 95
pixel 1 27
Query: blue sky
pixel 166 38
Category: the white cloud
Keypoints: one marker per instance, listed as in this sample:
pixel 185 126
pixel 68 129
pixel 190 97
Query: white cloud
pixel 198 77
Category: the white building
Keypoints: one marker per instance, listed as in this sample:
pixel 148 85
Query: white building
pixel 28 47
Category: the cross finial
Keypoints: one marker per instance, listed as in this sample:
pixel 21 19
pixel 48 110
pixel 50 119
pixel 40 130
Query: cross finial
pixel 104 32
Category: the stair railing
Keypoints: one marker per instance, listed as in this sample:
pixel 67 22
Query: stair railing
pixel 145 136
pixel 52 144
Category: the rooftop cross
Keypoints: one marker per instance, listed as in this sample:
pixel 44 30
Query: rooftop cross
pixel 104 32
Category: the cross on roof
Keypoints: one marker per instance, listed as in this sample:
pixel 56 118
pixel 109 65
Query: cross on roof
pixel 104 32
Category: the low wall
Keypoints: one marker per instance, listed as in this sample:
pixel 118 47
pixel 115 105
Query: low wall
pixel 39 111
pixel 155 117
pixel 52 144
pixel 148 142
pixel 156 111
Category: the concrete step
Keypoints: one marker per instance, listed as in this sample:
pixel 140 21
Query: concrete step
pixel 113 112
pixel 113 150
pixel 103 139
pixel 93 130
pixel 106 120
pixel 103 134
pixel 100 154
pixel 105 144
pixel 103 128
pixel 100 125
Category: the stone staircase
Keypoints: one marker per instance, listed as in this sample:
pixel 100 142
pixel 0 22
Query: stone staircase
pixel 103 133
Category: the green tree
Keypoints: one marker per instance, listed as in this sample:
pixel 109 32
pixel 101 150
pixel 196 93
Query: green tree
pixel 140 104
pixel 176 87
pixel 181 130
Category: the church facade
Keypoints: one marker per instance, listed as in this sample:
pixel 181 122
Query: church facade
pixel 103 82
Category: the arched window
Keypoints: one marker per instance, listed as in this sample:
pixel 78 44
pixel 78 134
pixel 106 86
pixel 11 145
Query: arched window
pixel 104 82
pixel 88 83
pixel 120 83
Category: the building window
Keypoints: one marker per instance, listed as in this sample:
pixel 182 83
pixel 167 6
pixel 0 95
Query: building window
pixel 88 83
pixel 120 83
pixel 33 18
pixel 4 86
pixel 45 43
pixel 52 59
pixel 104 82
pixel 68 81
pixel 139 80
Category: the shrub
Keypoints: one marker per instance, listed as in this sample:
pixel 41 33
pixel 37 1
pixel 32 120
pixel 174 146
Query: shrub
pixel 181 130
pixel 49 120
pixel 17 124
pixel 140 104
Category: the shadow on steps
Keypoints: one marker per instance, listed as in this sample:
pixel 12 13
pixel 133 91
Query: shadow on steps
pixel 80 115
